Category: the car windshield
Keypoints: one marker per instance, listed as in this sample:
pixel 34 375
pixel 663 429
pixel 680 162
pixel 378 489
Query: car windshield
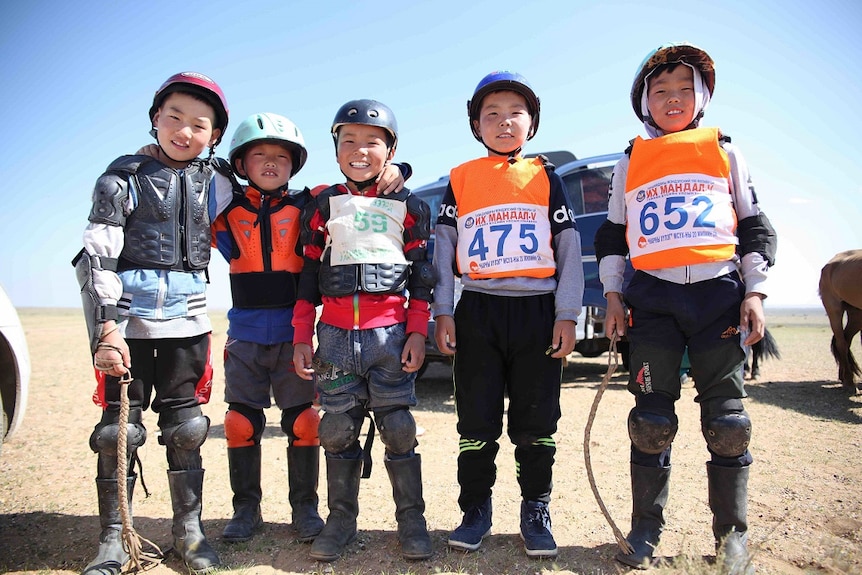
pixel 588 189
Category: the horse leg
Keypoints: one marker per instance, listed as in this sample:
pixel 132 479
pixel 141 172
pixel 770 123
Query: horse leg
pixel 853 326
pixel 835 312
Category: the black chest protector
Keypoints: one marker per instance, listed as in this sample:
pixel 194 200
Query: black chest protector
pixel 170 226
pixel 344 280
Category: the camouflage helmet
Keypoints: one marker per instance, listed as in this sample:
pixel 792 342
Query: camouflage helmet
pixel 667 54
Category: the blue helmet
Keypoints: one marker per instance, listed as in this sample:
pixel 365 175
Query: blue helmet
pixel 503 80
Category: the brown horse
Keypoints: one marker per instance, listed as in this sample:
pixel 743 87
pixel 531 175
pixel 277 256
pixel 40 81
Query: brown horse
pixel 841 292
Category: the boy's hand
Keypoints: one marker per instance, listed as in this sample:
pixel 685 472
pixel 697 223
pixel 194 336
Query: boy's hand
pixel 302 356
pixel 151 150
pixel 564 339
pixel 112 354
pixel 444 334
pixel 616 316
pixel 752 318
pixel 413 354
pixel 390 180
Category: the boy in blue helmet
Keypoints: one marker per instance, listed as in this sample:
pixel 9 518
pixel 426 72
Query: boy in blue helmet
pixel 142 274
pixel 506 227
pixel 363 254
pixel 258 235
pixel 683 207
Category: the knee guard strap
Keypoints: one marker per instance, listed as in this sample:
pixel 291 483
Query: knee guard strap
pixel 726 426
pixel 397 430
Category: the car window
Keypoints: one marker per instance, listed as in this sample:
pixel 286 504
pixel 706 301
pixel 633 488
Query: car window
pixel 433 197
pixel 588 189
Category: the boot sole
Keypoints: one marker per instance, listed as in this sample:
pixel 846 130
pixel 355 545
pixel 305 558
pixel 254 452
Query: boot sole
pixel 464 546
pixel 331 556
pixel 644 564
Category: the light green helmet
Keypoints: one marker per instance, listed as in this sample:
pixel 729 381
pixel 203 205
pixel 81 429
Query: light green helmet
pixel 271 128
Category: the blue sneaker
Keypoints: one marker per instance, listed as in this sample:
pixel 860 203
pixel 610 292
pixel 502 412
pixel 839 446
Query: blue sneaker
pixel 475 526
pixel 536 529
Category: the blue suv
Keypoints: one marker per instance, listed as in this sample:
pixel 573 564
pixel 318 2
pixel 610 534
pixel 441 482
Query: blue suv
pixel 587 181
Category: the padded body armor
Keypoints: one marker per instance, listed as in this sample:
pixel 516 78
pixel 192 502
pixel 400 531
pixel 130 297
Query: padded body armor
pixel 170 225
pixel 376 278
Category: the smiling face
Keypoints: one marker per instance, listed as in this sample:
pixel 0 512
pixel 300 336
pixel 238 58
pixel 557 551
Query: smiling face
pixel 671 98
pixel 267 165
pixel 504 121
pixel 184 128
pixel 362 151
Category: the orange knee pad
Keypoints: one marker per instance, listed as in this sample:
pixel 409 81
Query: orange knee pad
pixel 238 430
pixel 305 428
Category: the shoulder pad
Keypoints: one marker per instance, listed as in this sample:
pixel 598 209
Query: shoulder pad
pixel 400 195
pixel 544 160
pixel 129 164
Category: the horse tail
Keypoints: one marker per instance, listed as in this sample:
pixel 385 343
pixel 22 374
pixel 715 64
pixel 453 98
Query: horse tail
pixel 766 348
pixel 851 362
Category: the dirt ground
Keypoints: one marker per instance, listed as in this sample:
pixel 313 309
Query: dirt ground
pixel 805 510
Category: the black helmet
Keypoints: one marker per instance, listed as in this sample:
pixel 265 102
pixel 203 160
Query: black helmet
pixel 503 80
pixel 368 113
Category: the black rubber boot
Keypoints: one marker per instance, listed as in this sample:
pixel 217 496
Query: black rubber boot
pixel 189 539
pixel 303 469
pixel 342 479
pixel 111 556
pixel 406 478
pixel 649 498
pixel 728 499
pixel 244 467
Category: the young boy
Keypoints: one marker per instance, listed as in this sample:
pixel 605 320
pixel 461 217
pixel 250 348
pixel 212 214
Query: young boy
pixel 142 277
pixel 682 205
pixel 507 229
pixel 361 252
pixel 258 234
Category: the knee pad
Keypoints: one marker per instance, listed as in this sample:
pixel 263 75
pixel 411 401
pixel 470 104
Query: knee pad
pixel 187 435
pixel 301 425
pixel 397 430
pixel 339 431
pixel 105 435
pixel 243 426
pixel 652 430
pixel 725 426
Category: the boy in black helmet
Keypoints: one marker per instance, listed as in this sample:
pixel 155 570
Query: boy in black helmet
pixel 683 207
pixel 142 278
pixel 506 227
pixel 361 252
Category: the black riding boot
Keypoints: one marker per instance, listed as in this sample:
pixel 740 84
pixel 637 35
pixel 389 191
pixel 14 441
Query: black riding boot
pixel 728 499
pixel 406 478
pixel 303 469
pixel 244 466
pixel 342 479
pixel 649 498
pixel 189 539
pixel 111 556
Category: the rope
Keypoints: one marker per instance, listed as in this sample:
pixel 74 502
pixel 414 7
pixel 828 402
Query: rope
pixel 132 542
pixel 613 362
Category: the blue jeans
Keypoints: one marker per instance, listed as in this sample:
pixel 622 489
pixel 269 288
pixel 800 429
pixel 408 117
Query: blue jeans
pixel 363 367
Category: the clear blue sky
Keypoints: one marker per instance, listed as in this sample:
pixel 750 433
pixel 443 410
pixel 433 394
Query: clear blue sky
pixel 78 79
